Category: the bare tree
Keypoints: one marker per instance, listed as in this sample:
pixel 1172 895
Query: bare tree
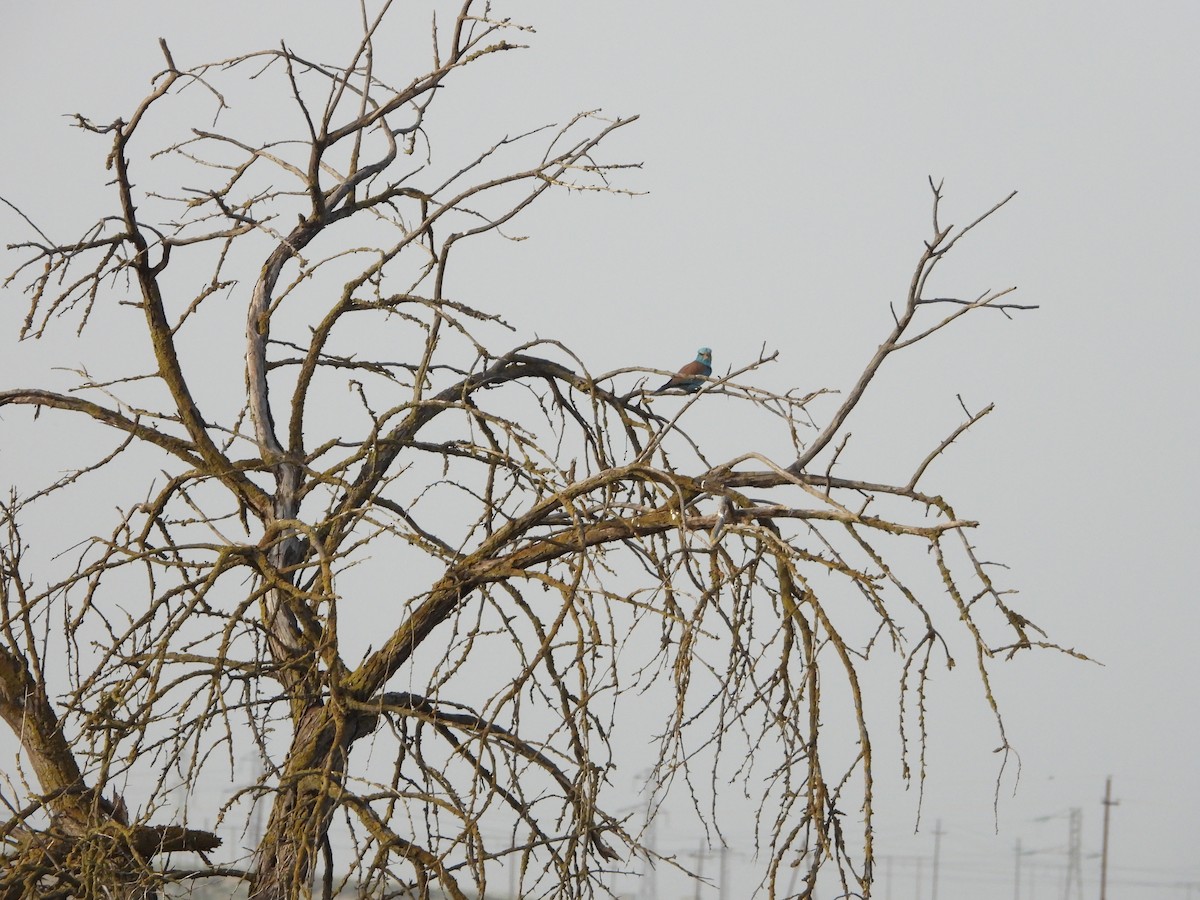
pixel 512 521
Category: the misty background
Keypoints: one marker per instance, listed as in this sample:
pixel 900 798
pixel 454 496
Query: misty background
pixel 787 149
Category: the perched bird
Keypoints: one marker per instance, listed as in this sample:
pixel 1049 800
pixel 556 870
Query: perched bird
pixel 685 379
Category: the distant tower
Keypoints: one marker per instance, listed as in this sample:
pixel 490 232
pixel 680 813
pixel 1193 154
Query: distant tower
pixel 1074 855
pixel 648 885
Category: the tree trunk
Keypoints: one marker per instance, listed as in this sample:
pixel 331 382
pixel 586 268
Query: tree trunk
pixel 306 799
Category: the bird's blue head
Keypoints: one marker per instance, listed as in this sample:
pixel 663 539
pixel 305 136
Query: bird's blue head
pixel 704 355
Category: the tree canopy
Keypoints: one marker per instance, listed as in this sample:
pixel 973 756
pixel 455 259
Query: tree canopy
pixel 421 565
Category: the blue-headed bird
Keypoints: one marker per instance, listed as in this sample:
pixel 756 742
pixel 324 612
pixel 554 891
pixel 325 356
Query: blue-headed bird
pixel 685 379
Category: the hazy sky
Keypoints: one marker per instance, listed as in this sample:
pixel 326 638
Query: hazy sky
pixel 787 148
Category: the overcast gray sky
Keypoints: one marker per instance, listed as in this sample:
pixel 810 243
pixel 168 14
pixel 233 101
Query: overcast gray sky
pixel 786 149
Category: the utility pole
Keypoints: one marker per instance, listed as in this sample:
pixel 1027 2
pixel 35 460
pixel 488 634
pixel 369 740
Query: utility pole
pixel 724 870
pixel 1109 803
pixel 700 854
pixel 937 849
pixel 1017 874
pixel 253 767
